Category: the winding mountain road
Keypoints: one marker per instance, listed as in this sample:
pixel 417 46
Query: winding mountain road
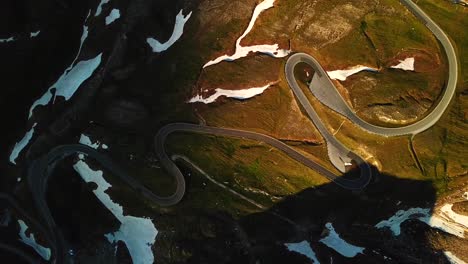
pixel 324 89
pixel 39 173
pixel 168 164
pixel 40 169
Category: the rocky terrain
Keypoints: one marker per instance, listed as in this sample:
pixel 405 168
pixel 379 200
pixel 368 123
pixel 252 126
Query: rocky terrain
pixel 136 88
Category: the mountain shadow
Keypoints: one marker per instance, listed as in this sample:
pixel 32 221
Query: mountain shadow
pixel 211 236
pixel 261 237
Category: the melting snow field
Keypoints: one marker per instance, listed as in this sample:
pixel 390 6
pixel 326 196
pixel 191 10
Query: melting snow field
pixel 34 34
pixel 447 212
pixel 342 75
pixel 452 258
pixel 10 39
pixel 240 52
pixel 303 248
pixel 137 233
pixel 73 76
pixel 114 15
pixel 236 94
pixel 99 8
pixel 85 140
pixel 84 36
pixel 334 241
pixel 176 34
pixel 448 221
pixel 406 64
pixel 31 241
pixel 21 144
pixel 69 82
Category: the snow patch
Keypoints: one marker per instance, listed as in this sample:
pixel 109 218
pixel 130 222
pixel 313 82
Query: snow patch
pixel 334 241
pixel 83 38
pixel 86 140
pixel 342 75
pixel 72 77
pixel 176 34
pixel 236 94
pixel 303 248
pixel 444 222
pixel 10 39
pixel 240 52
pixel 452 258
pixel 99 8
pixel 21 144
pixel 69 82
pixel 31 241
pixel 34 34
pixel 138 233
pixel 67 86
pixel 406 64
pixel 114 15
pixel 447 212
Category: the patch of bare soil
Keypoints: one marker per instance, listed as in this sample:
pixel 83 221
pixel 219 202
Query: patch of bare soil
pixel 254 71
pixel 334 24
pixel 294 126
pixel 461 208
pixel 221 22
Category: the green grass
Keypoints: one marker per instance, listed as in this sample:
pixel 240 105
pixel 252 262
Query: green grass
pixel 453 19
pixel 221 37
pixel 443 148
pixel 251 165
pixel 353 49
pixel 202 194
pixel 394 82
pixel 392 35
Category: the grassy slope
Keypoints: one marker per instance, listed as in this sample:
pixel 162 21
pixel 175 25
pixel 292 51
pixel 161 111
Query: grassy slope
pixel 385 33
pixel 443 149
pixel 242 163
pixel 251 163
pixel 392 154
pixel 391 35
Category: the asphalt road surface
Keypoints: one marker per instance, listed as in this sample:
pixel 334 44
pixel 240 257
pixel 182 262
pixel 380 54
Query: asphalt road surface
pixel 326 92
pixel 171 167
pixel 40 169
